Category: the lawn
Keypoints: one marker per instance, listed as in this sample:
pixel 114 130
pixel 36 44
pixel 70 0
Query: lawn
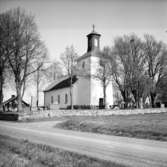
pixel 22 153
pixel 149 126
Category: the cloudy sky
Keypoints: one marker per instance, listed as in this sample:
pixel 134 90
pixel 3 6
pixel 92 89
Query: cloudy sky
pixel 67 22
pixel 64 23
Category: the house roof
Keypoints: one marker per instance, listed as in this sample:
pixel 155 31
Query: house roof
pixel 65 83
pixel 12 99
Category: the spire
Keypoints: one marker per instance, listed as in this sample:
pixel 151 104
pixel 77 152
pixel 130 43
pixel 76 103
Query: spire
pixel 93 26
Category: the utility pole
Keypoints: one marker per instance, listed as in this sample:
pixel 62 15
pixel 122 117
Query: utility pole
pixel 71 78
pixel 37 102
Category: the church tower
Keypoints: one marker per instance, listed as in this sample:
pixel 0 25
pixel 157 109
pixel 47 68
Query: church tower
pixel 88 60
pixel 90 89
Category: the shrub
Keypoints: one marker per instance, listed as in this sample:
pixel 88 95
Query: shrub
pixel 9 116
pixel 82 107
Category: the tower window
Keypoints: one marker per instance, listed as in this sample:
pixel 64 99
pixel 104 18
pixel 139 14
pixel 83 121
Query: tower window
pixel 95 42
pixel 83 65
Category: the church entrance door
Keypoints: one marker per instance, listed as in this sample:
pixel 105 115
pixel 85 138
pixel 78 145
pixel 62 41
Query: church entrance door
pixel 101 103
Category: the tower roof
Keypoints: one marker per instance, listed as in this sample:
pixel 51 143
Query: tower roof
pixel 93 32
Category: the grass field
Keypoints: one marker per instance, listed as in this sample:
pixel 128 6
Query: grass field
pixel 150 126
pixel 22 153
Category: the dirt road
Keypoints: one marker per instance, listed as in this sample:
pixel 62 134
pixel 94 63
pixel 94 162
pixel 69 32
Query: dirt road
pixel 124 150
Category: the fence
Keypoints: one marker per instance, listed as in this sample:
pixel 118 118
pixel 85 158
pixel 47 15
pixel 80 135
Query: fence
pixel 60 113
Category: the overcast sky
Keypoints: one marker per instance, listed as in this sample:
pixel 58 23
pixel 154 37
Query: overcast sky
pixel 67 22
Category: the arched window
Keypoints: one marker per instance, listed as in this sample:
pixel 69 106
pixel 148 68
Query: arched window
pixel 66 98
pixel 58 99
pixel 83 65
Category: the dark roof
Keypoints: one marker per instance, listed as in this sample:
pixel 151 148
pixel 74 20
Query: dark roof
pixel 12 99
pixel 93 33
pixel 62 84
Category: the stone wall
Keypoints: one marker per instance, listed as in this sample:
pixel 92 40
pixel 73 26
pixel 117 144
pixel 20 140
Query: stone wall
pixel 60 113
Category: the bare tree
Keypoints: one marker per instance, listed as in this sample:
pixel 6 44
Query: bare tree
pixel 25 48
pixel 137 77
pixel 53 71
pixel 156 63
pixel 46 74
pixel 69 60
pixel 3 57
pixel 120 67
pixel 128 67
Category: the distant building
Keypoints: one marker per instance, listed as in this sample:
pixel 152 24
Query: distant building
pixel 87 90
pixel 10 105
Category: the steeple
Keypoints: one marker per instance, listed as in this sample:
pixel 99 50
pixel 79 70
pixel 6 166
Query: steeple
pixel 93 40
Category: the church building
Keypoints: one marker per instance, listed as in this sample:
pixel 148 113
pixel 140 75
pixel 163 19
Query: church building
pixel 87 90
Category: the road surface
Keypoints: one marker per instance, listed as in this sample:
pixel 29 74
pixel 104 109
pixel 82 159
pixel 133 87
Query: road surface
pixel 123 150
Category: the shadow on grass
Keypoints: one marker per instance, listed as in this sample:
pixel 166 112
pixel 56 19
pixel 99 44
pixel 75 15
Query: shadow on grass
pixel 9 116
pixel 147 126
pixel 14 152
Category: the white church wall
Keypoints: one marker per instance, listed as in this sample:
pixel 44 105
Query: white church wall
pixel 94 65
pixel 96 91
pixel 55 93
pixel 84 66
pixel 81 94
pixel 82 91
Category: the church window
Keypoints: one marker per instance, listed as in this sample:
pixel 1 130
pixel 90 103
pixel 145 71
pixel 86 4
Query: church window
pixel 58 99
pixel 83 65
pixel 66 98
pixel 52 99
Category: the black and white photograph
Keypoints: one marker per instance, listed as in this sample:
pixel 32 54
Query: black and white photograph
pixel 83 83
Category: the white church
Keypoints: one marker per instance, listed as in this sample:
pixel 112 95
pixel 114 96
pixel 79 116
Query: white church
pixel 86 89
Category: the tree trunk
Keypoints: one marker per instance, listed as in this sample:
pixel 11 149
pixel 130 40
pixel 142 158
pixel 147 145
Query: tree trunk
pixel 19 98
pixel 135 95
pixel 104 94
pixel 153 95
pixel 138 98
pixel 23 90
pixel 1 91
pixel 125 98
